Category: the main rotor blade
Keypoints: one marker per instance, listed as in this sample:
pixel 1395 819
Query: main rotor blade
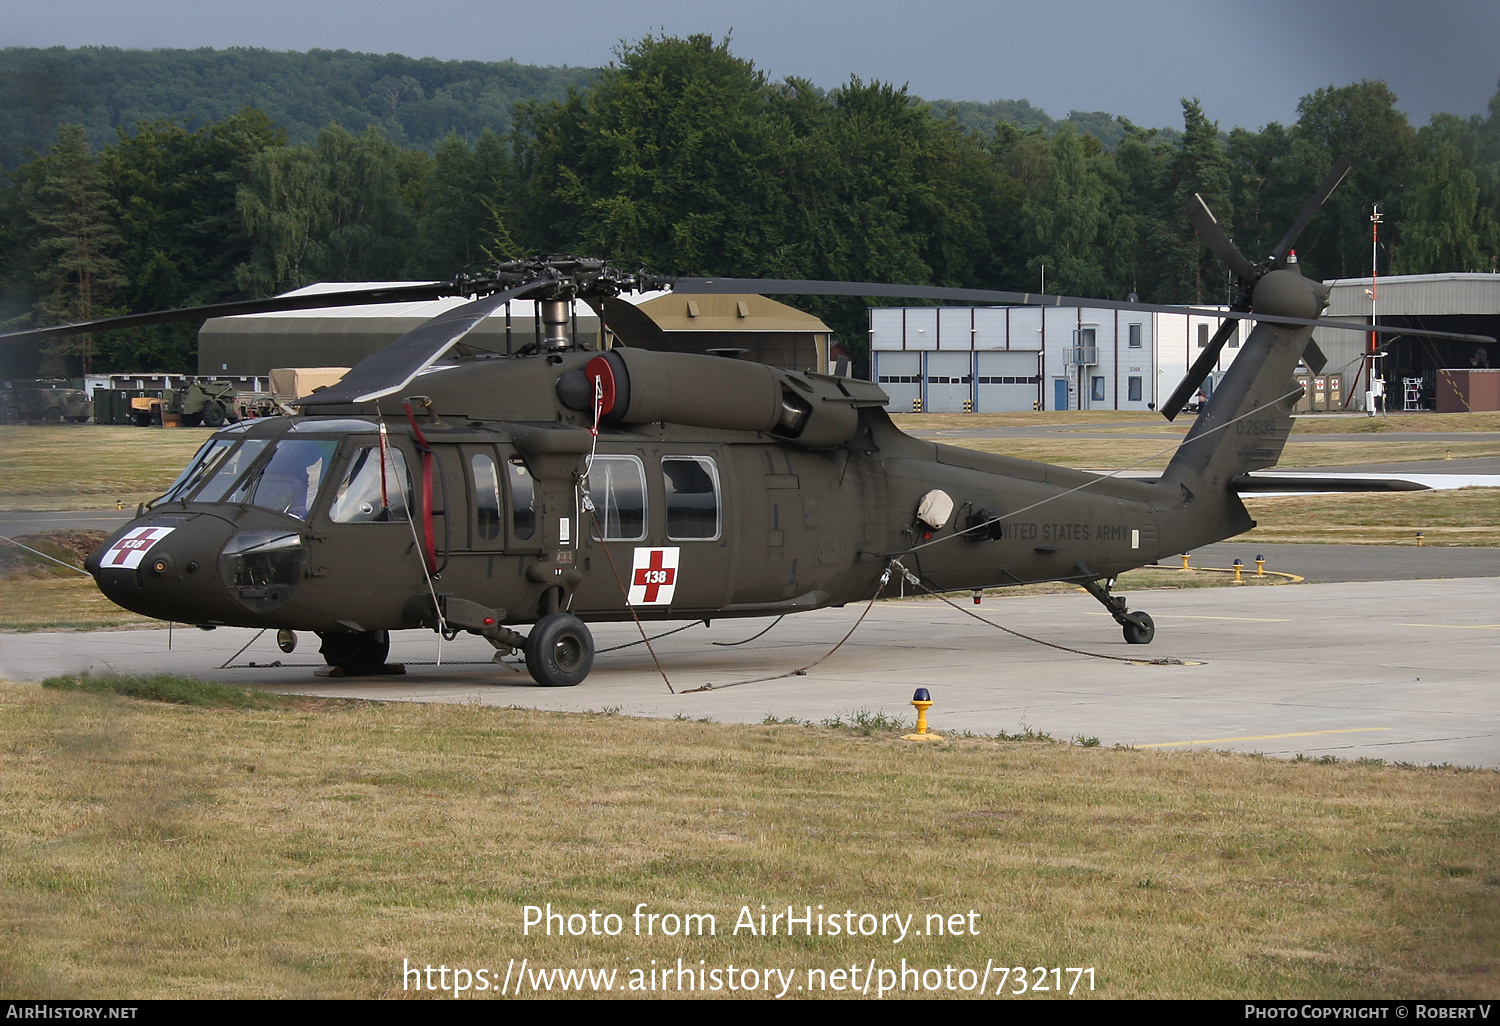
pixel 349 297
pixel 1335 176
pixel 394 367
pixel 1212 233
pixel 791 287
pixel 786 287
pixel 1198 371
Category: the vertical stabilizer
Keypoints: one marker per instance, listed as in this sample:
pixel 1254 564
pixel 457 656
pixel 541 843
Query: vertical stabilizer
pixel 1245 424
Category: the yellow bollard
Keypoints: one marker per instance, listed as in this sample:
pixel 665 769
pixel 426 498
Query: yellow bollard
pixel 1185 558
pixel 1449 455
pixel 1419 539
pixel 1260 566
pixel 922 701
pixel 1238 568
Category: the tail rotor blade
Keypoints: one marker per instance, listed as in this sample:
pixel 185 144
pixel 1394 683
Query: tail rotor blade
pixel 1335 176
pixel 1199 370
pixel 1213 235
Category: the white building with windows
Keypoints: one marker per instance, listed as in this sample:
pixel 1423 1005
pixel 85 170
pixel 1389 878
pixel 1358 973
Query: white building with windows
pixel 994 359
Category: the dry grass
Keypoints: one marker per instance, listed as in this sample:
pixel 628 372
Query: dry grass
pixel 72 603
pixel 1397 422
pixel 38 594
pixel 1109 421
pixel 1152 454
pixel 1464 516
pixel 918 423
pixel 90 466
pixel 306 850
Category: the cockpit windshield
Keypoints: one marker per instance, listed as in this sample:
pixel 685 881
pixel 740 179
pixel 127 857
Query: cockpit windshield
pixel 288 481
pixel 199 467
pixel 283 475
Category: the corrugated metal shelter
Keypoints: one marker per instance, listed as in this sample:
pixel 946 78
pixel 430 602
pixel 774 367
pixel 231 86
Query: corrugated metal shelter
pixel 1459 302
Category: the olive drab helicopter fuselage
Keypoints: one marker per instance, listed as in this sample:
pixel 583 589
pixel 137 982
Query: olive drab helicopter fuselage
pixel 482 493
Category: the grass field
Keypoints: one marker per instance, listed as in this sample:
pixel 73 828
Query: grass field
pixel 90 466
pixel 308 848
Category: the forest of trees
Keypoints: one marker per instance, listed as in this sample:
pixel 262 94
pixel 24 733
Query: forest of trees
pixel 683 158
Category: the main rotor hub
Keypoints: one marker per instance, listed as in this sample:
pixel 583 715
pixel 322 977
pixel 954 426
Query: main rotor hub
pixel 1288 294
pixel 560 277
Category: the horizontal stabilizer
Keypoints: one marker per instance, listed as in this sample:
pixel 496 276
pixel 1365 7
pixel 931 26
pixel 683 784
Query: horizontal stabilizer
pixel 1248 484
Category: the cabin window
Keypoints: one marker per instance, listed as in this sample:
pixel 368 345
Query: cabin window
pixel 617 485
pixel 486 497
pixel 366 496
pixel 692 487
pixel 522 499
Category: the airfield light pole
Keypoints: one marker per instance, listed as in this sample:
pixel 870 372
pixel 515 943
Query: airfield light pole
pixel 1375 388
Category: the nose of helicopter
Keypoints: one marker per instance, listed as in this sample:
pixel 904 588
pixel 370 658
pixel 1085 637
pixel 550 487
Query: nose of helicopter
pixel 165 565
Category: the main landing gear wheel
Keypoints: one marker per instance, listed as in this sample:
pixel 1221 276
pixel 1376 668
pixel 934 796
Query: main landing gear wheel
pixel 1139 628
pixel 559 651
pixel 356 654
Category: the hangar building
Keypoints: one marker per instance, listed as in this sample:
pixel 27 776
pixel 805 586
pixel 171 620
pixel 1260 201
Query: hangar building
pixel 1411 365
pixel 994 359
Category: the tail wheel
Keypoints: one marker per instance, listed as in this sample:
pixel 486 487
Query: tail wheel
pixel 1139 628
pixel 356 654
pixel 559 651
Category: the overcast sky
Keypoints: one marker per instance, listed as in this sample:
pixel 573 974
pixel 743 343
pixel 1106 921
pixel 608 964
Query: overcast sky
pixel 1248 62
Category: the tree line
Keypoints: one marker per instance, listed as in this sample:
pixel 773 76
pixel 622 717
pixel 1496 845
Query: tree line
pixel 683 158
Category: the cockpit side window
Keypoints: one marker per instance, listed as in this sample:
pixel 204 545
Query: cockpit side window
pixel 366 496
pixel 522 499
pixel 486 497
pixel 617 485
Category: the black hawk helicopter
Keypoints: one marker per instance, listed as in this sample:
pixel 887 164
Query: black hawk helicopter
pixel 483 493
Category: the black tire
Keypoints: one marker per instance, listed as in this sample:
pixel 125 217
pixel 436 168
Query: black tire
pixel 1139 628
pixel 559 651
pixel 53 415
pixel 213 415
pixel 356 654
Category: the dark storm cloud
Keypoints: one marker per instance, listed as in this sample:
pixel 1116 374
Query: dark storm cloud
pixel 1247 63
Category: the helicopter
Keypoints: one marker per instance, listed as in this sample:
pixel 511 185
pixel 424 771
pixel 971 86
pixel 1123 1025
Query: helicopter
pixel 441 488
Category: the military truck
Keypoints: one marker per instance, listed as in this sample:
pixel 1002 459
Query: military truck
pixel 207 403
pixel 53 402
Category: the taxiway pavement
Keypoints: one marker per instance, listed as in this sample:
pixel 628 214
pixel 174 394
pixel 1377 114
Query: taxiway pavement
pixel 1396 670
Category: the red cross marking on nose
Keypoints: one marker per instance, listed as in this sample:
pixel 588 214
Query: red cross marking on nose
pixel 654 577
